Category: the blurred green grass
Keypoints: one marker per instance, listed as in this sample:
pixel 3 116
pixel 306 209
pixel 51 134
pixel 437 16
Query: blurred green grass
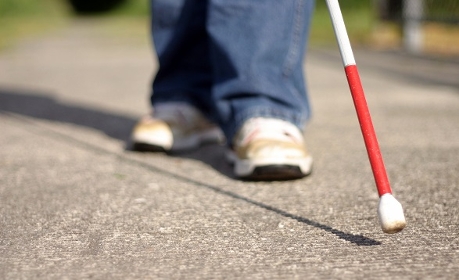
pixel 23 18
pixel 359 17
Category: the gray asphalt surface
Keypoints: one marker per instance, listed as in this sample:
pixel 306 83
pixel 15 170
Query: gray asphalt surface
pixel 75 204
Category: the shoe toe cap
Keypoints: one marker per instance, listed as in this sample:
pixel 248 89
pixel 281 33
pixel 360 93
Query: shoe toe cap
pixel 274 149
pixel 154 133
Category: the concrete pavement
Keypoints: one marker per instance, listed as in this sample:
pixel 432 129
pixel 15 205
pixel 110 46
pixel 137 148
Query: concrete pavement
pixel 75 204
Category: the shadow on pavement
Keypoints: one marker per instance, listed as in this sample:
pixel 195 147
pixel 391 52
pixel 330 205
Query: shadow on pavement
pixel 359 240
pixel 40 105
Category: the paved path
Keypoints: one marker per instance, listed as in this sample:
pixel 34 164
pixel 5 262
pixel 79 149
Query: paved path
pixel 75 204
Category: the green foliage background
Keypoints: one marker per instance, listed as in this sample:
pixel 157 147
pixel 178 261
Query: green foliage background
pixel 22 18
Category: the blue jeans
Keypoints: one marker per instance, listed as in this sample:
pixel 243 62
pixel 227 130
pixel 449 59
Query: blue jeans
pixel 233 59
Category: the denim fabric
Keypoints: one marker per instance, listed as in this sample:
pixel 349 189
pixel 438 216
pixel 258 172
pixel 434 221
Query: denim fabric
pixel 233 59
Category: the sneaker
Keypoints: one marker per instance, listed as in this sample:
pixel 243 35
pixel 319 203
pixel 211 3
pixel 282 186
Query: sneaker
pixel 270 149
pixel 174 127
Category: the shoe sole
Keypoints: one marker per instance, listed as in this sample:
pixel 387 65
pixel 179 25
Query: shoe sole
pixel 146 147
pixel 271 169
pixel 275 173
pixel 213 136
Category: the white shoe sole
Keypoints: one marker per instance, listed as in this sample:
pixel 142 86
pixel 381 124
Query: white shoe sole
pixel 145 141
pixel 271 168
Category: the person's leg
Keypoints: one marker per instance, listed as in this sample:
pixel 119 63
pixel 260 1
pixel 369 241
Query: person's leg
pixel 182 47
pixel 257 49
pixel 181 88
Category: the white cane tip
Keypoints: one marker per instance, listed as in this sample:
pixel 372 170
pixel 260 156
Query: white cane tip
pixel 390 213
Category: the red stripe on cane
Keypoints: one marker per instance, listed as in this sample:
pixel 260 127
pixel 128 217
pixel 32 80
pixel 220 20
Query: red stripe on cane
pixel 368 132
